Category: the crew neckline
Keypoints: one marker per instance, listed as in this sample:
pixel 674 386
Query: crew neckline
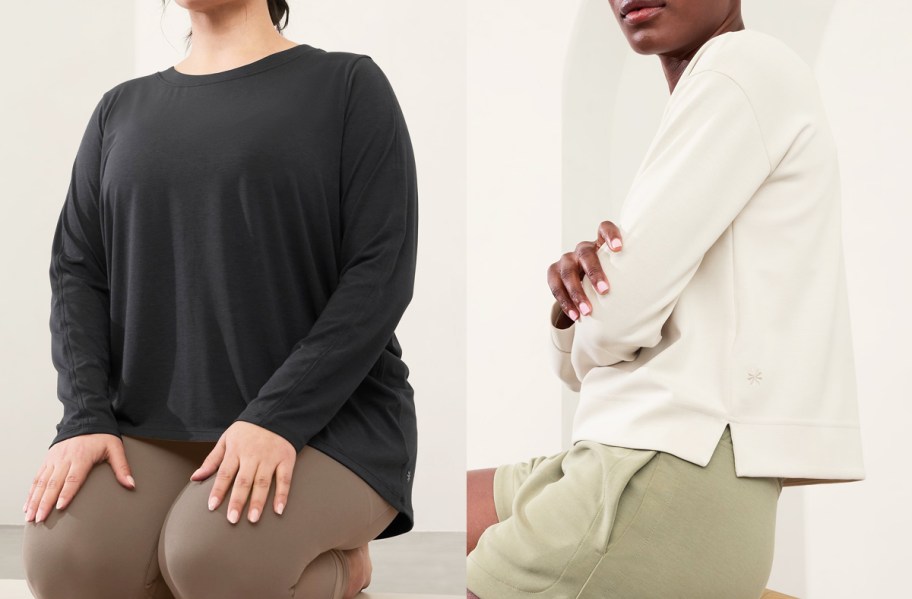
pixel 175 77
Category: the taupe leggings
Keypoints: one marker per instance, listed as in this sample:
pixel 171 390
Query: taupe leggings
pixel 160 541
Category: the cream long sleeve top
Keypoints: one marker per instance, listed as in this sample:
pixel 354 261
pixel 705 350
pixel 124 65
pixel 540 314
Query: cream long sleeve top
pixel 728 303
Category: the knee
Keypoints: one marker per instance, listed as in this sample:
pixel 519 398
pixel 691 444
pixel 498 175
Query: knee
pixel 57 566
pixel 198 563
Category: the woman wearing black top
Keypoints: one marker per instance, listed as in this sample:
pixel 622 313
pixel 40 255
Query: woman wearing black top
pixel 235 251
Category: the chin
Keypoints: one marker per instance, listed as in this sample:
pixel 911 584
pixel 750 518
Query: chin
pixel 646 42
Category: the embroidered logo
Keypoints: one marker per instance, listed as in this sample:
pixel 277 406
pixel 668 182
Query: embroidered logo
pixel 408 475
pixel 754 376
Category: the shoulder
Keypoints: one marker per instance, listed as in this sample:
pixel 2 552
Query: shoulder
pixel 780 88
pixel 774 77
pixel 348 65
pixel 749 56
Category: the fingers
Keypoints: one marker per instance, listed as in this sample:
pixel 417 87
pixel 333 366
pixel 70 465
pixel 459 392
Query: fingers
pixel 564 282
pixel 262 480
pixel 47 489
pixel 77 475
pixel 572 274
pixel 223 479
pixel 587 255
pixel 608 232
pixel 246 471
pixel 211 463
pixel 283 485
pixel 32 488
pixel 118 460
pixel 559 290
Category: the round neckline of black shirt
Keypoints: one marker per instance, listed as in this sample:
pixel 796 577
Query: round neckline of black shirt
pixel 175 77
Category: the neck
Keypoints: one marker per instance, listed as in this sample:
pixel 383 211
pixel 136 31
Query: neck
pixel 673 64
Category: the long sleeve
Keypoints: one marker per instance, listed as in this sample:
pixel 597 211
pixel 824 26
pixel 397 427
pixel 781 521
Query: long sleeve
pixel 378 256
pixel 561 350
pixel 706 162
pixel 80 315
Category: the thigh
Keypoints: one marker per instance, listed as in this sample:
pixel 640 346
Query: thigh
pixel 103 544
pixel 329 507
pixel 683 530
pixel 561 511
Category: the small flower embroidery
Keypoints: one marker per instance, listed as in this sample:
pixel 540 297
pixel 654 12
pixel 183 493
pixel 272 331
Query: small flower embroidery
pixel 408 475
pixel 754 376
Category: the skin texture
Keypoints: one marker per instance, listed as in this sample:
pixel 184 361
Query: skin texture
pixel 674 34
pixel 678 30
pixel 248 458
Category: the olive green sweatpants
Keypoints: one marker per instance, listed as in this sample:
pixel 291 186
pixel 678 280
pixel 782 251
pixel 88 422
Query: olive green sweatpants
pixel 604 522
pixel 160 541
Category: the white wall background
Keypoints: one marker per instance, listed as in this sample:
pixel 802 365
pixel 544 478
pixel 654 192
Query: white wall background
pixel 92 46
pixel 833 541
pixel 515 66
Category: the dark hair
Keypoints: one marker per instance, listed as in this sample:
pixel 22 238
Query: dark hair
pixel 277 10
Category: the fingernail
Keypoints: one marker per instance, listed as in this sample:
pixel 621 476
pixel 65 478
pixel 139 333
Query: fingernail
pixel 59 503
pixel 233 516
pixel 212 502
pixel 38 517
pixel 574 315
pixel 615 243
pixel 254 515
pixel 584 308
pixel 131 481
pixel 602 286
pixel 280 508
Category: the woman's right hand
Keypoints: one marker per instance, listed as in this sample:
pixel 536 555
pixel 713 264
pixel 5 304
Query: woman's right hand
pixel 69 462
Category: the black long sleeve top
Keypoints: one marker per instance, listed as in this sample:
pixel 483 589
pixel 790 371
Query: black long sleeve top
pixel 241 245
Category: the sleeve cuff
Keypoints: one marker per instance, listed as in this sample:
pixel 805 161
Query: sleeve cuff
pixel 562 338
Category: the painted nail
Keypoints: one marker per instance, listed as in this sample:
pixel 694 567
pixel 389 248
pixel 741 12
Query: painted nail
pixel 39 517
pixel 602 286
pixel 574 315
pixel 584 308
pixel 254 515
pixel 615 243
pixel 131 481
pixel 233 516
pixel 280 508
pixel 212 502
pixel 59 503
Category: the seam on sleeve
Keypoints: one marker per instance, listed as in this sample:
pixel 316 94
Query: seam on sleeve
pixel 753 114
pixel 80 398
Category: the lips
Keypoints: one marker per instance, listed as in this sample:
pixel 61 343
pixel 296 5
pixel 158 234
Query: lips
pixel 631 5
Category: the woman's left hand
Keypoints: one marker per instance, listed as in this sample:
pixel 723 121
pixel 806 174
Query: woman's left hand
pixel 249 455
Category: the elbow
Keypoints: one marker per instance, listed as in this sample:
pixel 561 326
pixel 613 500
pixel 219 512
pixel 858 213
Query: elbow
pixel 607 342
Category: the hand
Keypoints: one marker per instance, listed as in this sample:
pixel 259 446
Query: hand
pixel 254 454
pixel 70 461
pixel 565 276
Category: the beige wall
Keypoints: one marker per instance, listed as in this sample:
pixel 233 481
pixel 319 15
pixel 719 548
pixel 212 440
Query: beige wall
pixel 515 65
pixel 58 62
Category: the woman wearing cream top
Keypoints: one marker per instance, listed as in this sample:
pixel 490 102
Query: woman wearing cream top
pixel 712 350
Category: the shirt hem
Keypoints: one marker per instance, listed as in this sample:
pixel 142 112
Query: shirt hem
pixel 801 453
pixel 404 520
